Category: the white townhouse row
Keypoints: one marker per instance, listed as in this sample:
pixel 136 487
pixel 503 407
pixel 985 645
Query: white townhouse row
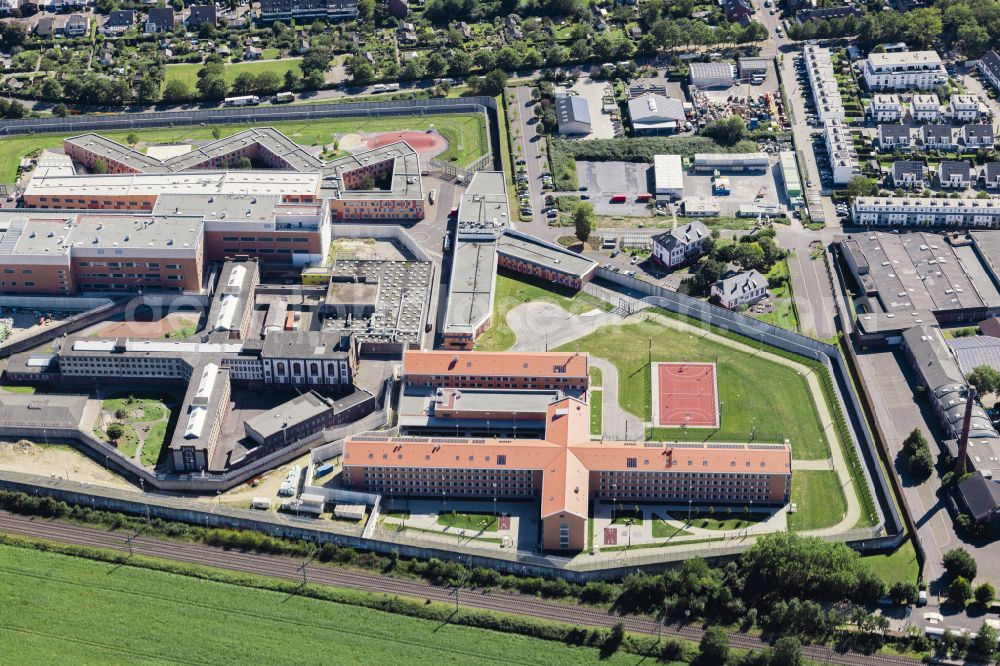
pixel 844 161
pixel 819 69
pixel 913 211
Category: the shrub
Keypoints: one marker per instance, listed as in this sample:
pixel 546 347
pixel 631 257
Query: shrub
pixel 958 562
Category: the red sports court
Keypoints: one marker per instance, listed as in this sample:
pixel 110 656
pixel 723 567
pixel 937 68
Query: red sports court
pixel 685 395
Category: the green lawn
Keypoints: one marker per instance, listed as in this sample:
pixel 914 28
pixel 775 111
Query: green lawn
pixel 625 516
pixel 188 73
pixel 596 377
pixel 154 444
pixel 899 565
pixel 463 131
pixel 18 389
pixel 127 444
pixel 512 291
pixel 664 530
pixel 719 520
pixel 188 329
pixel 596 412
pixel 484 522
pixel 784 314
pixel 152 410
pixel 819 499
pixel 750 387
pixel 60 609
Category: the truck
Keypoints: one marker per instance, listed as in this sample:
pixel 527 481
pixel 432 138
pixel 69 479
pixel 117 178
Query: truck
pixel 644 197
pixel 260 503
pixel 244 100
pixel 283 98
pixel 618 198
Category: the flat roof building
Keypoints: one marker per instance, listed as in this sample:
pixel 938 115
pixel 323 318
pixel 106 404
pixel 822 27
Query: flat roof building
pixel 668 174
pixel 906 70
pixel 907 211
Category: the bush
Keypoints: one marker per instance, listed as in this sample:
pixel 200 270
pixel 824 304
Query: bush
pixel 903 593
pixel 960 591
pixel 714 646
pixel 985 594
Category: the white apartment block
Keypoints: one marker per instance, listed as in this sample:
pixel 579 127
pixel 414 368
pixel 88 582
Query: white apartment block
pixel 913 211
pixel 964 108
pixel 843 158
pixel 925 108
pixel 905 70
pixel 886 108
pixel 819 69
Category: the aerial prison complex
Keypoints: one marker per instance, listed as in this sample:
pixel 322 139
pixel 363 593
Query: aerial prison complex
pixel 154 224
pixel 559 464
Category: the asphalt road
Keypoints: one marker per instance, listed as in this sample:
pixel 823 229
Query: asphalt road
pixel 290 569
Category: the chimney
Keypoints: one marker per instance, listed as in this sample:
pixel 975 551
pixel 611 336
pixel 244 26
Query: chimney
pixel 963 442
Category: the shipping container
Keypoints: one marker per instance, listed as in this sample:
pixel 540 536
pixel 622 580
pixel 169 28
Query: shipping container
pixel 618 198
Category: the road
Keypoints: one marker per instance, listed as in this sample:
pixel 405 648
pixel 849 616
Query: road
pixel 290 569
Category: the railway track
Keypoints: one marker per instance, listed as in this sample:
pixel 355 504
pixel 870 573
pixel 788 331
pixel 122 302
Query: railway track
pixel 290 569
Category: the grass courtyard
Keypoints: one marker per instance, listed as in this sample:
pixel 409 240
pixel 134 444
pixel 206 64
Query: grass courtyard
pixel 479 522
pixel 188 73
pixel 754 392
pixel 464 133
pixel 899 565
pixel 596 412
pixel 512 291
pixel 819 500
pixel 60 609
pixel 151 416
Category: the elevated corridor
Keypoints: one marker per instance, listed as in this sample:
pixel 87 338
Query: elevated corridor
pixel 289 569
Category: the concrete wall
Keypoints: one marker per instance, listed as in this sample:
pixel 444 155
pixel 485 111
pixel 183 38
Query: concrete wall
pixel 53 302
pixel 74 323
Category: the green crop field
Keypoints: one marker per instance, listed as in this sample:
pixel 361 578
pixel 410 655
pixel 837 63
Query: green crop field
pixel 754 392
pixel 188 73
pixel 464 133
pixel 60 609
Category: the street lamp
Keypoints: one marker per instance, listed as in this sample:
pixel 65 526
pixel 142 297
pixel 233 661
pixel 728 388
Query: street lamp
pixel 494 501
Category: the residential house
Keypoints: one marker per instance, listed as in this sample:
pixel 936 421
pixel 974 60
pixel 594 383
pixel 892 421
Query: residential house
pixel 301 10
pixel 742 289
pixel 738 11
pixel 406 34
pixel 399 8
pixel 907 70
pixel 963 108
pixel 202 14
pixel 680 245
pixel 954 174
pixel 925 108
pixel 46 27
pixel 894 137
pixel 77 25
pixel 978 136
pixel 991 175
pixel 252 53
pixel 119 21
pixel 909 173
pixel 938 137
pixel 886 109
pixel 159 19
pixel 989 68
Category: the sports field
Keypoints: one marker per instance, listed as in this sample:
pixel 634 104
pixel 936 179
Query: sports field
pixel 60 610
pixel 465 134
pixel 755 394
pixel 188 73
pixel 685 395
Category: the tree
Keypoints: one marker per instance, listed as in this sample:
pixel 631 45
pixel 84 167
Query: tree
pixel 292 79
pixel 726 131
pixel 132 138
pixel 960 591
pixel 51 88
pixel 436 65
pixel 114 431
pixel 583 218
pixel 267 83
pixel 148 89
pixel 985 379
pixel 243 84
pixel 216 133
pixel 985 594
pixel 176 91
pixel 60 110
pixel 213 87
pixel 749 255
pixel 366 10
pixel 859 186
pixel 787 651
pixel 903 593
pixel 314 80
pixel 959 562
pixel 460 64
pixel 921 464
pixel 361 71
pixel 494 83
pixel 984 645
pixel 244 163
pixel 714 646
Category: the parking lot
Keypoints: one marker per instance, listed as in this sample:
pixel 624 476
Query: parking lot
pixel 603 180
pixel 744 188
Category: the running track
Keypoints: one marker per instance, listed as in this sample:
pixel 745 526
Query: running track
pixel 289 569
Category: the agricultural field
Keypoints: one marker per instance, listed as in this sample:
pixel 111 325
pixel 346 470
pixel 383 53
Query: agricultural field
pixel 188 73
pixel 465 134
pixel 61 609
pixel 755 393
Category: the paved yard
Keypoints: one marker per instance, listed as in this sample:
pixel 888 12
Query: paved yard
pixel 600 122
pixel 744 188
pixel 604 179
